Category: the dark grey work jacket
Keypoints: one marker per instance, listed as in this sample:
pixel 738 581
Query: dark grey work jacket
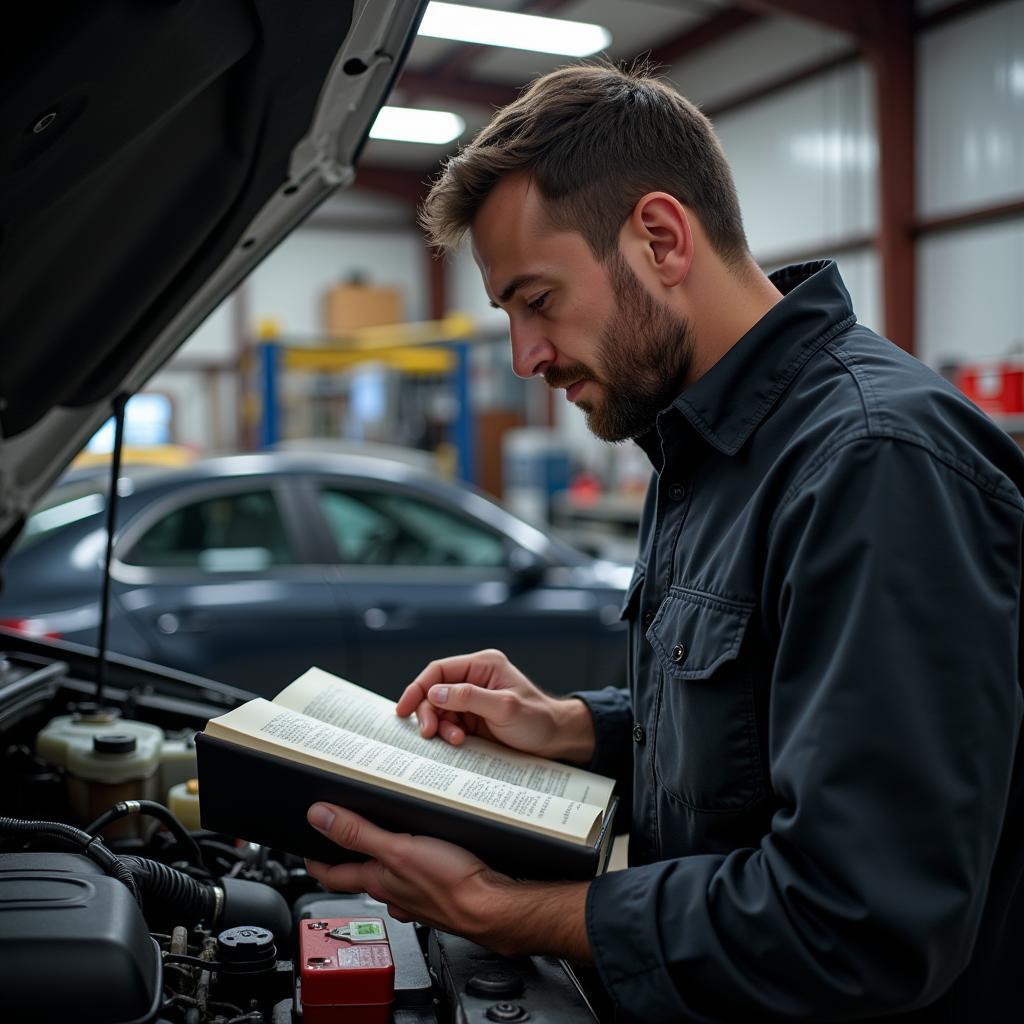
pixel 818 738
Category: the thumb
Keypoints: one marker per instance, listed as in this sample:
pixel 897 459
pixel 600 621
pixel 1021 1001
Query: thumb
pixel 496 706
pixel 348 829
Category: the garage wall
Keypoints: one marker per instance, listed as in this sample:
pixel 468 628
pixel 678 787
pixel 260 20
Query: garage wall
pixel 289 285
pixel 805 162
pixel 971 155
pixel 287 288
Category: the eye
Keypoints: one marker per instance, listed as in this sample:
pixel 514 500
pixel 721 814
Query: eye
pixel 538 303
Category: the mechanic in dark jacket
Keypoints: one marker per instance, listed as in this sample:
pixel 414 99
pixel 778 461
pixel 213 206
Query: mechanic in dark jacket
pixel 817 746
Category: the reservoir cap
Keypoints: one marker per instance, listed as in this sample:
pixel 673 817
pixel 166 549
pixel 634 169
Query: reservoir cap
pixel 114 743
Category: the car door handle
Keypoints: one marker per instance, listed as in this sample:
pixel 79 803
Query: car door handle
pixel 388 617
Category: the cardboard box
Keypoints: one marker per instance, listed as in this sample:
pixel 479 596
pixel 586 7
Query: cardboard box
pixel 347 307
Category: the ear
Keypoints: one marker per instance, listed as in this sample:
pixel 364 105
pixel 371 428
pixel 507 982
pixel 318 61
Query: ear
pixel 659 221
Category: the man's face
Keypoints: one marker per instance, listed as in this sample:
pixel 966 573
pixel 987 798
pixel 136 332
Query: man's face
pixel 591 329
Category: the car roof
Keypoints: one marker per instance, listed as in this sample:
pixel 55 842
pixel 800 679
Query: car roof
pixel 150 479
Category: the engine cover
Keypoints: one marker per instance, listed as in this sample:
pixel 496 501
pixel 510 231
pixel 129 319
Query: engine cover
pixel 73 944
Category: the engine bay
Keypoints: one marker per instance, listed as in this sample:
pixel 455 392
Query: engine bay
pixel 117 906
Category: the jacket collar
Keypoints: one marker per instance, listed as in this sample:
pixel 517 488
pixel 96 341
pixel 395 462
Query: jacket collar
pixel 731 400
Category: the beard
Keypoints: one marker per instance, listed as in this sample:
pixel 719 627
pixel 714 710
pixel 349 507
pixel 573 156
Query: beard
pixel 644 356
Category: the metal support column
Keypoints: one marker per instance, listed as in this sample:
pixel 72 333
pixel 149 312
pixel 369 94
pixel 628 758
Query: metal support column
pixel 270 365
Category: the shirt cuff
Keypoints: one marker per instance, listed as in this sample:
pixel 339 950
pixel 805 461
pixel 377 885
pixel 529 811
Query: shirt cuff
pixel 612 712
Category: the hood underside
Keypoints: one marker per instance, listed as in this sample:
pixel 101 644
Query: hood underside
pixel 151 153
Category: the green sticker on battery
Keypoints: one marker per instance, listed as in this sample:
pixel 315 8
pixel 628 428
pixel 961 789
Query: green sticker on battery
pixel 366 931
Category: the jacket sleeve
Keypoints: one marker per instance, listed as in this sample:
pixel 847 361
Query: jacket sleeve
pixel 612 712
pixel 890 600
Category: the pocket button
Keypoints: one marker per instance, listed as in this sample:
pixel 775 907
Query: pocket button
pixel 679 653
pixel 648 617
pixel 638 733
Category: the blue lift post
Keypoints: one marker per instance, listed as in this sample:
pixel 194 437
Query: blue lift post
pixel 462 427
pixel 270 360
pixel 270 365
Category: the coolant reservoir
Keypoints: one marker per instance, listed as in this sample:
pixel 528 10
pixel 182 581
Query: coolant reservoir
pixel 107 759
pixel 178 760
pixel 183 801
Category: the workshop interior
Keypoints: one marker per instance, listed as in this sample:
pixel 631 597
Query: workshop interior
pixel 251 422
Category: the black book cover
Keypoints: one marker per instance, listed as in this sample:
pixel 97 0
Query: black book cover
pixel 262 798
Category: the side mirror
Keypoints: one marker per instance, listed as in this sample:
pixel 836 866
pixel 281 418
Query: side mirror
pixel 526 567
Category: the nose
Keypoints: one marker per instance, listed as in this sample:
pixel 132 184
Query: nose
pixel 531 351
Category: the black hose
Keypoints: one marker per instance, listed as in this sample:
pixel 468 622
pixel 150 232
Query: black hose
pixel 221 849
pixel 170 894
pixel 91 846
pixel 126 807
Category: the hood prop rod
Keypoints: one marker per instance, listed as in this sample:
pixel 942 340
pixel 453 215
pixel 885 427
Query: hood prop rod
pixel 119 403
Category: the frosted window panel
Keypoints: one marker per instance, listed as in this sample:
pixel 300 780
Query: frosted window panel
pixel 970 299
pixel 193 424
pixel 213 340
pixel 971 111
pixel 861 274
pixel 289 285
pixel 805 163
pixel 466 293
pixel 759 52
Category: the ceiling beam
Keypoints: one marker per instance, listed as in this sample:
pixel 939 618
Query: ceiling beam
pixel 409 186
pixel 883 30
pixel 710 31
pixel 864 20
pixel 956 9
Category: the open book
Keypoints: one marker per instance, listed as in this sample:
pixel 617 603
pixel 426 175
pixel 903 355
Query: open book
pixel 347 742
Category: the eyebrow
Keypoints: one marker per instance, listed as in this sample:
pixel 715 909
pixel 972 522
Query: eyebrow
pixel 513 286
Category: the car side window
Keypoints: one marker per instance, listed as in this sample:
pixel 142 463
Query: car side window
pixel 386 528
pixel 236 532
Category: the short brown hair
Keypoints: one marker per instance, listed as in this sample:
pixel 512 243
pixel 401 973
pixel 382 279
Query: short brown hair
pixel 595 138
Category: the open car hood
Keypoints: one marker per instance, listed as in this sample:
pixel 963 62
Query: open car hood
pixel 151 154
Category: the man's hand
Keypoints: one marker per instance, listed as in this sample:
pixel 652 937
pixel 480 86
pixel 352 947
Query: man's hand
pixel 484 694
pixel 446 887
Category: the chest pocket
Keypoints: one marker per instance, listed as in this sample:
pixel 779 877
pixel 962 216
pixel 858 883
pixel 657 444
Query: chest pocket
pixel 705 744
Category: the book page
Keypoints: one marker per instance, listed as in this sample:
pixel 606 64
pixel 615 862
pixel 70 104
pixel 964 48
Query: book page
pixel 264 726
pixel 336 701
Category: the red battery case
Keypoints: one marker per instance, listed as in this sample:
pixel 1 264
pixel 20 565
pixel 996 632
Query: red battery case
pixel 344 980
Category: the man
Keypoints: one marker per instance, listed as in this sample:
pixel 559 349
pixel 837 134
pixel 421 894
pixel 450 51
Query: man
pixel 817 745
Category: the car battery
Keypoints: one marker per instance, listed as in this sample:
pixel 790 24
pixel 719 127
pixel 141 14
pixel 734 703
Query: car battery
pixel 346 971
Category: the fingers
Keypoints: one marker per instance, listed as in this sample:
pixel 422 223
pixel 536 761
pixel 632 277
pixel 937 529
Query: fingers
pixel 355 878
pixel 352 832
pixel 478 668
pixel 434 723
pixel 411 697
pixel 338 877
pixel 450 729
pixel 428 719
pixel 495 706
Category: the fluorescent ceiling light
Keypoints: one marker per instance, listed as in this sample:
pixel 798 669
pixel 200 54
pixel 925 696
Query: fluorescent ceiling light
pixel 406 124
pixel 518 31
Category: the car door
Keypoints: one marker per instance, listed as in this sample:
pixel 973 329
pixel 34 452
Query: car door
pixel 220 579
pixel 426 580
